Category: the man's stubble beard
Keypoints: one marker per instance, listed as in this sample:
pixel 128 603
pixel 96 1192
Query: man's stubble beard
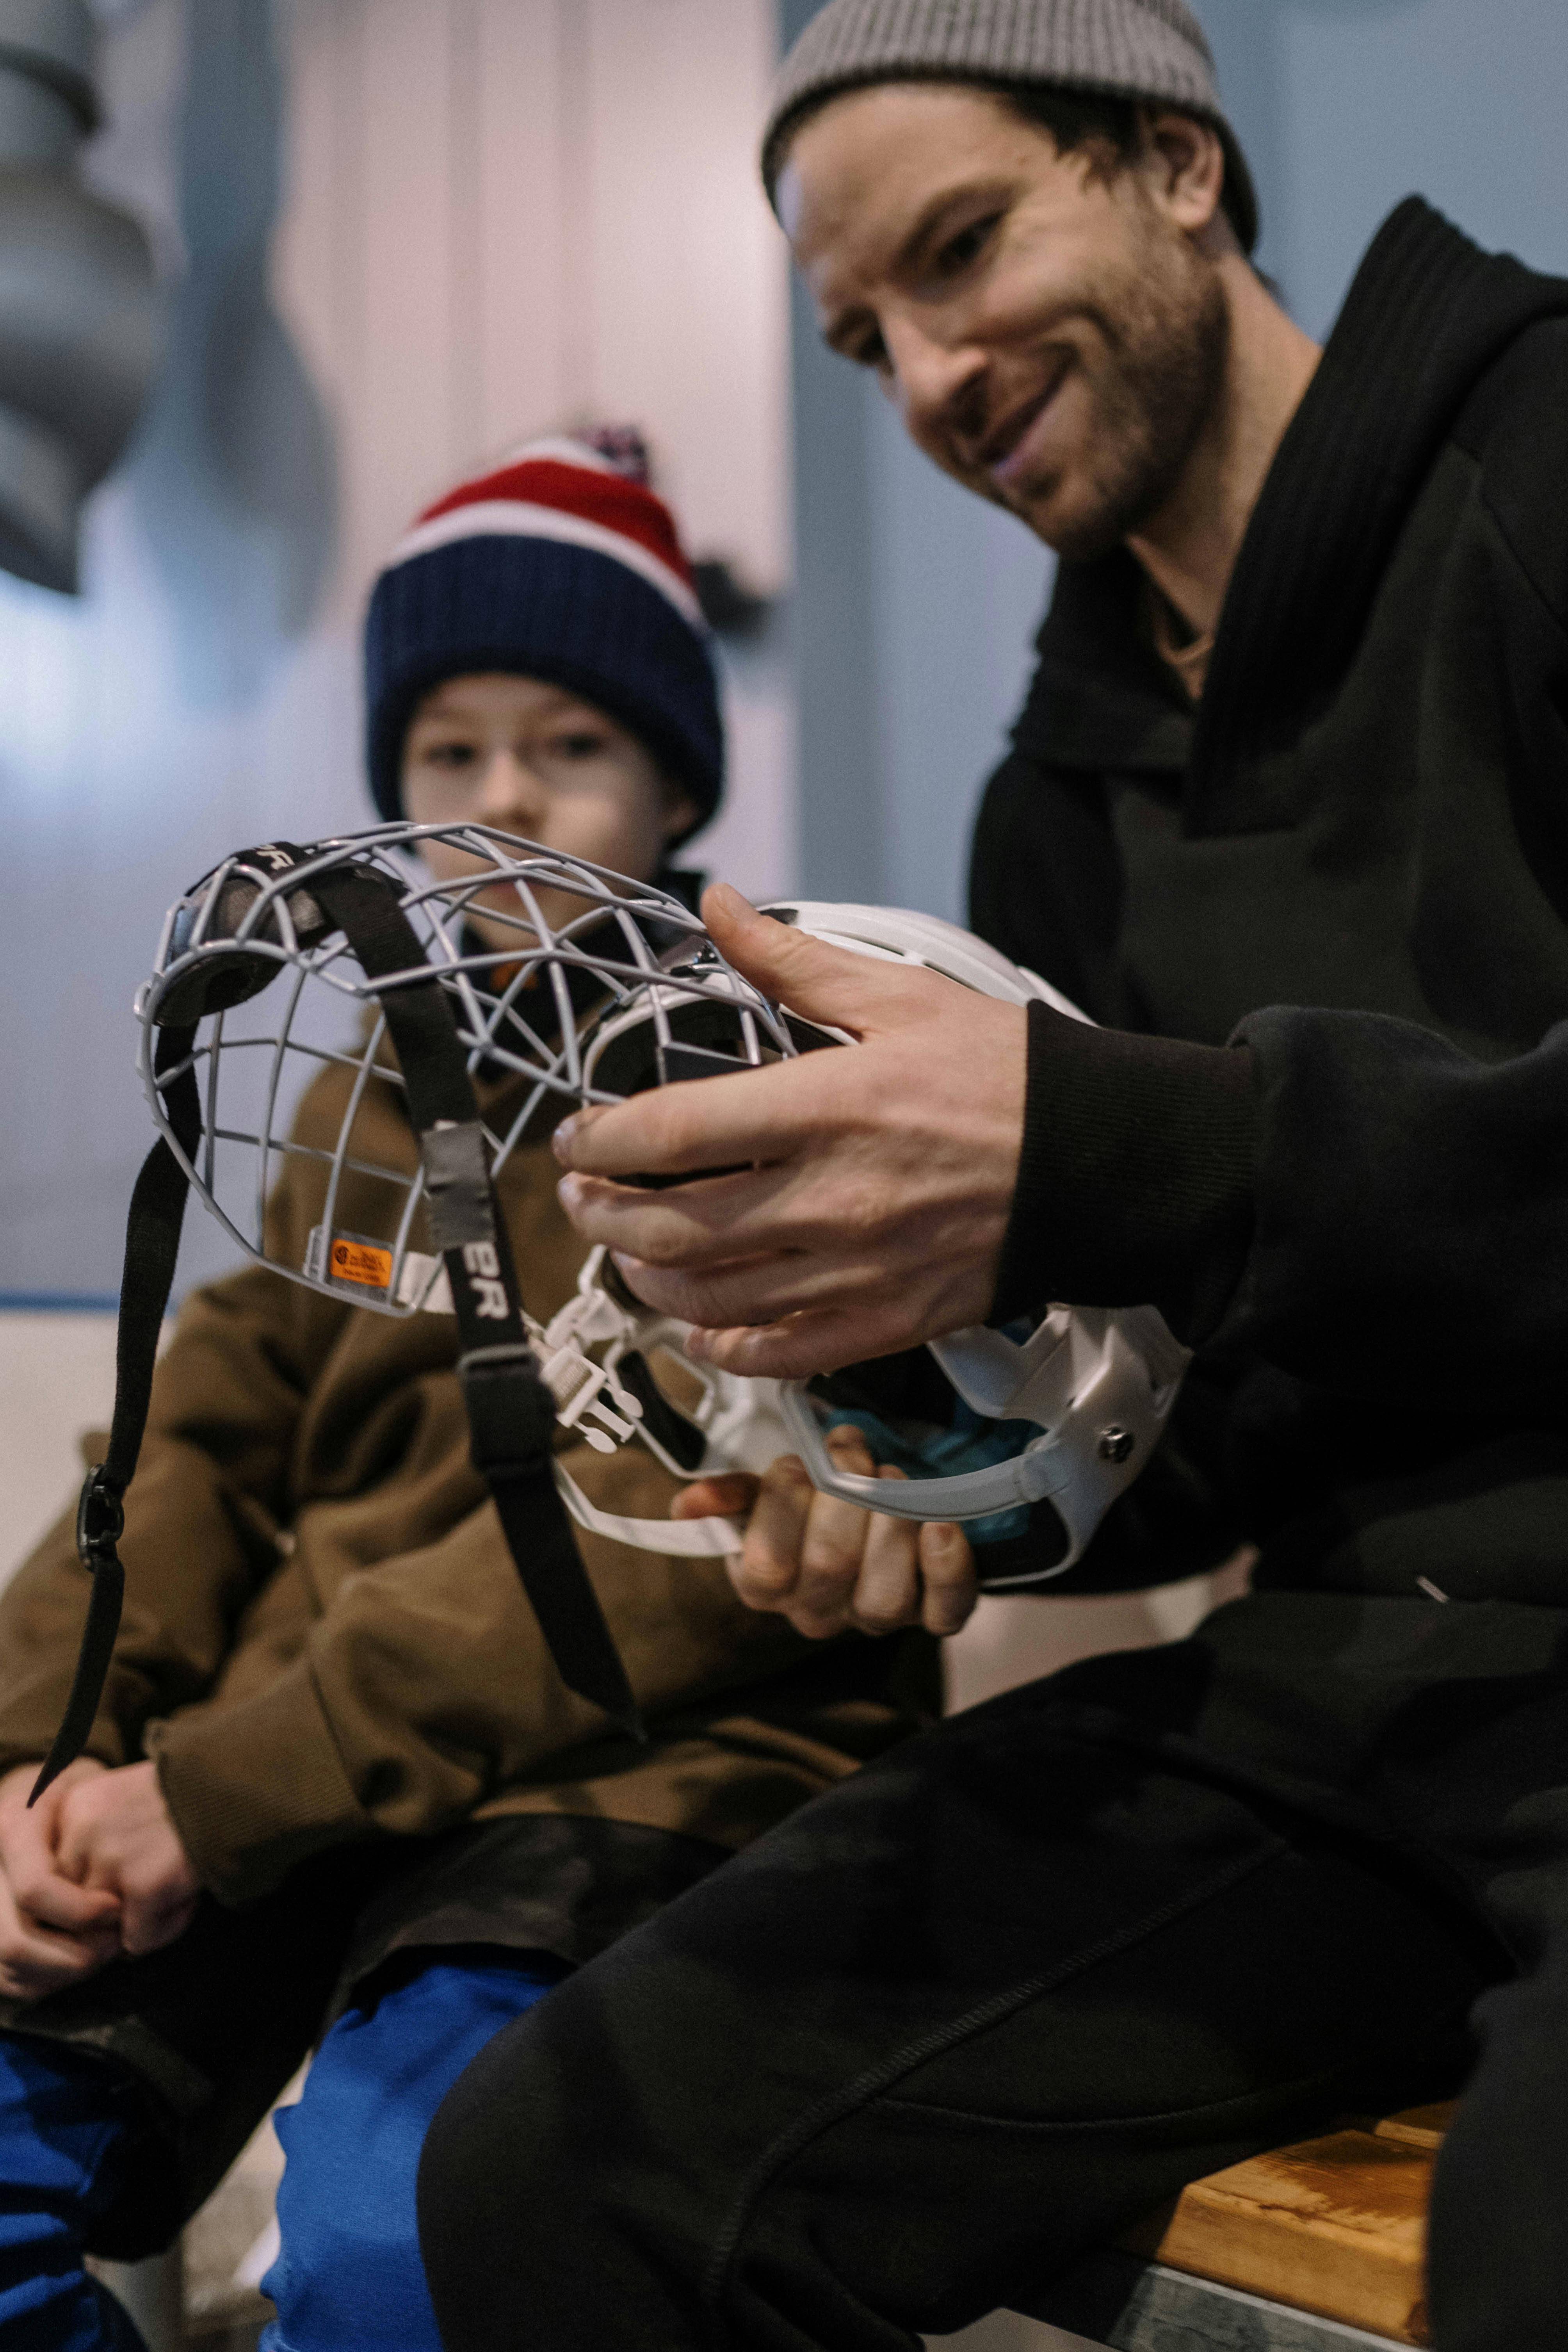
pixel 1166 342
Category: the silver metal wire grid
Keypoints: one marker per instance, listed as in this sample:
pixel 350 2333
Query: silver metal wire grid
pixel 583 946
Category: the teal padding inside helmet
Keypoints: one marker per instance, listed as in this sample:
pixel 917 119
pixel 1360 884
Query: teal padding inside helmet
pixel 969 1442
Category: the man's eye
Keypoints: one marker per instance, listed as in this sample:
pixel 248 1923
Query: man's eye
pixel 579 744
pixel 447 755
pixel 968 244
pixel 872 352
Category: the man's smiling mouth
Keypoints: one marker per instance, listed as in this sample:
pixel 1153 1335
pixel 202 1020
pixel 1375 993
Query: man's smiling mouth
pixel 999 453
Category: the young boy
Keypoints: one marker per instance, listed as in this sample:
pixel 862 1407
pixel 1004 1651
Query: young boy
pixel 335 1777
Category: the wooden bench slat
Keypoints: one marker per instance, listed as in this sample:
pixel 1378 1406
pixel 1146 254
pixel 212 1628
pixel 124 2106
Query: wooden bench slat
pixel 1420 2126
pixel 1336 2226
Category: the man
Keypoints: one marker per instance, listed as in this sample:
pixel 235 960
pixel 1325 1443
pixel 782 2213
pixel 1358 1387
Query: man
pixel 971 2013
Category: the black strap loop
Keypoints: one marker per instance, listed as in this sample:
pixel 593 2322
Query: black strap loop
pixel 151 1246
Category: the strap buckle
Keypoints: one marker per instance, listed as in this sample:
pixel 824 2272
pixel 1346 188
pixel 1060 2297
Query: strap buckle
pixel 99 1518
pixel 512 1413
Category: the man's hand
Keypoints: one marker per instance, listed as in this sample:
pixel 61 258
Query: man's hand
pixel 827 1565
pixel 117 1834
pixel 870 1208
pixel 53 1932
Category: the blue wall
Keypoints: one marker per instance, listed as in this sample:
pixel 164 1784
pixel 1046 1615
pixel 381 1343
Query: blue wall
pixel 907 687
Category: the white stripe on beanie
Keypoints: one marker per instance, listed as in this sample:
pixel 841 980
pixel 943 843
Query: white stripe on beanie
pixel 515 519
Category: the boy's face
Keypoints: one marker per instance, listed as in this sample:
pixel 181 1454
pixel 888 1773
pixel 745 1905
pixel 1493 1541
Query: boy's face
pixel 532 760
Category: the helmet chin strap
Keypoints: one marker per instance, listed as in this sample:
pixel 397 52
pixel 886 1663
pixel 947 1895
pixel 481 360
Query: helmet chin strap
pixel 152 1244
pixel 511 1412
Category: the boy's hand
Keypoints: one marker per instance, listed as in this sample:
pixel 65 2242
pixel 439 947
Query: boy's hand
pixel 52 1932
pixel 117 1834
pixel 827 1565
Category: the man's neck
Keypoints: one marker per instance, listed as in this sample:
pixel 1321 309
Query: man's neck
pixel 1189 548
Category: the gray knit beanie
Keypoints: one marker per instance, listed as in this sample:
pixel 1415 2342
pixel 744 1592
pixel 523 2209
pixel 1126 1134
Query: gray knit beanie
pixel 1150 50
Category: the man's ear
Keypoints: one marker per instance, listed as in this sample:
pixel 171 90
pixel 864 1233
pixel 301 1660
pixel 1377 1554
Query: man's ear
pixel 1184 161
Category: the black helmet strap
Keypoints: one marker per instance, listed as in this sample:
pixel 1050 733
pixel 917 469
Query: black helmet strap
pixel 512 1414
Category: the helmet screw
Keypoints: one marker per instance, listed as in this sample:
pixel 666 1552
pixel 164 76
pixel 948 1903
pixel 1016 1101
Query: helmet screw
pixel 1116 1443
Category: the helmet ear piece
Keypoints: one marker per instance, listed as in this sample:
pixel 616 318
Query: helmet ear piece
pixel 220 974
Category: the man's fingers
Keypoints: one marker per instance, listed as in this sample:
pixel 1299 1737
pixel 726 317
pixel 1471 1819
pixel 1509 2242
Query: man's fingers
pixel 823 1339
pixel 701 1123
pixel 730 1495
pixel 829 985
pixel 725 1298
pixel 709 1220
pixel 949 1576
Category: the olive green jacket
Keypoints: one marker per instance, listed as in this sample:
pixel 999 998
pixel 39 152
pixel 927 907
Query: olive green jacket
pixel 324 1635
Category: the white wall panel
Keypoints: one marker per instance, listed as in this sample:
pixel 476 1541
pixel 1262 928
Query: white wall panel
pixel 525 303
pixel 686 263
pixel 508 214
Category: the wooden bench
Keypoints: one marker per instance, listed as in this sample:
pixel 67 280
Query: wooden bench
pixel 1315 2248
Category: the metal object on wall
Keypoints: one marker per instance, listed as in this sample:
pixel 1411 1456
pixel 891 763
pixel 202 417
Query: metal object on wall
pixel 78 315
pixel 235 486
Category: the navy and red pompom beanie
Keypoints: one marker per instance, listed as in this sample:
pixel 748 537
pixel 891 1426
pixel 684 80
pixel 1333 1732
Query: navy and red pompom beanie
pixel 558 563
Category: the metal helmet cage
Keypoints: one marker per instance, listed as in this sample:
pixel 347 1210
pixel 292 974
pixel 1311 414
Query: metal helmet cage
pixel 468 984
pixel 250 959
pixel 585 955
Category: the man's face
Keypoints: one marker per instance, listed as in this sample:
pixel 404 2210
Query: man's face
pixel 1051 333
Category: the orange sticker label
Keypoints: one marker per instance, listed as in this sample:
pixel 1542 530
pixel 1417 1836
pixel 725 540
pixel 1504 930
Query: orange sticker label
pixel 360 1262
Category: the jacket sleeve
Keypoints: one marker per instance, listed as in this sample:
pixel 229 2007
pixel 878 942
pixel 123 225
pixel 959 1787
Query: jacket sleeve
pixel 1348 1195
pixel 427 1686
pixel 201 1526
pixel 1410 1225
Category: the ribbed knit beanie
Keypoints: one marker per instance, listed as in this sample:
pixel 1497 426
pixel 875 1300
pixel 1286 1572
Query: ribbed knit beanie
pixel 1153 51
pixel 558 563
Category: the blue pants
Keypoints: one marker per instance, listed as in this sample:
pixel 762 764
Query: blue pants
pixel 348 2277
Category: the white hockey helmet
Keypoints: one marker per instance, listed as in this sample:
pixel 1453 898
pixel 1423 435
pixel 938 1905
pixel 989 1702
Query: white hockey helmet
pixel 1049 1422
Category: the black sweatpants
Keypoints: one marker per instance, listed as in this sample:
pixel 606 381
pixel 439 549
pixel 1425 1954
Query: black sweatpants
pixel 956 2023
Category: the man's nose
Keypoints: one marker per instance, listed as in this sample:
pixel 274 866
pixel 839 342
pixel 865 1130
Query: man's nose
pixel 938 386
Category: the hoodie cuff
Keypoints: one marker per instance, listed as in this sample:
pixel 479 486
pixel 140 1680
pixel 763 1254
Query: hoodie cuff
pixel 1135 1181
pixel 254 1789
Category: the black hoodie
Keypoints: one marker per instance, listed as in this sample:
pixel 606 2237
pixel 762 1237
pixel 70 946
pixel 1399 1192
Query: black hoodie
pixel 1352 862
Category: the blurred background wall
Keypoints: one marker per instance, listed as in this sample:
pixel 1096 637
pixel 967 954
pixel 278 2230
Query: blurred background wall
pixel 394 235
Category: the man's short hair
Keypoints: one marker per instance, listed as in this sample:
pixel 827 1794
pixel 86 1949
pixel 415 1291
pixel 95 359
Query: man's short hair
pixel 1079 117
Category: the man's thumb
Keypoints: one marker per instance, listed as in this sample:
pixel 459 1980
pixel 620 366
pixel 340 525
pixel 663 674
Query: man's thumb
pixel 824 983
